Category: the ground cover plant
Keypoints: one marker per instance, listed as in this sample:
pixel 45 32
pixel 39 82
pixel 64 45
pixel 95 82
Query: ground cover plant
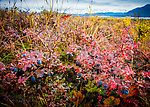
pixel 50 59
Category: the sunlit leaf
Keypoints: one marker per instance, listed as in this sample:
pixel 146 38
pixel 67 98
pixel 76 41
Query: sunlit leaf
pixel 117 101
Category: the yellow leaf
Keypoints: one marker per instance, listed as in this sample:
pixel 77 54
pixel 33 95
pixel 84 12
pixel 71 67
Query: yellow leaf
pixel 109 100
pixel 75 94
pixel 117 101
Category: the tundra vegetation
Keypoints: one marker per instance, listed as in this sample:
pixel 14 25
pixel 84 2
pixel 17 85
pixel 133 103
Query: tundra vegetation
pixel 51 59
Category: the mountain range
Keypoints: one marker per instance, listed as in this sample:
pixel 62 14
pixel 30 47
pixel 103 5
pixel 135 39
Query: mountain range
pixel 141 11
pixel 137 12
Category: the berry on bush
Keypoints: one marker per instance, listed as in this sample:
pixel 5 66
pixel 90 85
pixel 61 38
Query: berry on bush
pixel 39 62
pixel 23 55
pixel 100 82
pixel 79 74
pixel 78 63
pixel 98 65
pixel 122 91
pixel 32 78
pixel 15 69
pixel 71 55
pixel 105 86
pixel 49 74
pixel 126 92
pixel 32 65
pixel 96 56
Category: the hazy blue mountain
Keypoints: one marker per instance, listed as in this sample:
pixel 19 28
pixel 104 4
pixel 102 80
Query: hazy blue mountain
pixel 111 14
pixel 137 12
pixel 103 14
pixel 140 11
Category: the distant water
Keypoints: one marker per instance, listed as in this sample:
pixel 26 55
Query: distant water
pixel 83 15
pixel 141 18
pixel 127 17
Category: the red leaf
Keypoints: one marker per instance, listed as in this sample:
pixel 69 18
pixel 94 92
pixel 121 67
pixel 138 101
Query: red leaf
pixel 66 16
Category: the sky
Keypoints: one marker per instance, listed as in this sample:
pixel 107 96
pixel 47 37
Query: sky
pixel 77 6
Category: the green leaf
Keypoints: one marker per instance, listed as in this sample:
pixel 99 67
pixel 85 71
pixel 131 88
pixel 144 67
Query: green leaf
pixel 46 95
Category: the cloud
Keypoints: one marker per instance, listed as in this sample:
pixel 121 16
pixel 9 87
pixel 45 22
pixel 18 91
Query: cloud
pixel 79 5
